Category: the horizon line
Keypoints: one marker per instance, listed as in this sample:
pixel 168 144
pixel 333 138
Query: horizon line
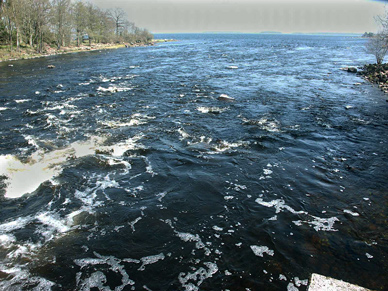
pixel 262 32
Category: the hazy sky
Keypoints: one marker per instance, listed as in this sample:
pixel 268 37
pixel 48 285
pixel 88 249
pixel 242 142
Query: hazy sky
pixel 158 16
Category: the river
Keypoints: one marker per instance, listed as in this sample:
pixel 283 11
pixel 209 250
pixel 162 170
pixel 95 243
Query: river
pixel 125 170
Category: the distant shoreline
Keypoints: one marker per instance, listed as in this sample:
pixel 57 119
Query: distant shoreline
pixel 27 53
pixel 265 33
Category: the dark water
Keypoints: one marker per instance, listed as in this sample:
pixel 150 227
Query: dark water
pixel 139 178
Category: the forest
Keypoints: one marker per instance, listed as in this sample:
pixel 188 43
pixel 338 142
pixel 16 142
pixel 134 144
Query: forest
pixel 38 24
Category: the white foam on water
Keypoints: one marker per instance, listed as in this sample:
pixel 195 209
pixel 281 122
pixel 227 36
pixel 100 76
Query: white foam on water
pixel 224 146
pixel 113 89
pixel 22 100
pixel 3 108
pixel 121 148
pixel 132 223
pixel 61 106
pixel 279 205
pixel 261 250
pixel 217 228
pixel 282 277
pixel 21 278
pixel 192 281
pixel 48 225
pixel 149 168
pixel 55 225
pixel 98 279
pixel 7 240
pixel 319 223
pixel 302 48
pixel 215 110
pixel 369 256
pixel 18 223
pixel 23 250
pixel 236 187
pixel 188 237
pixel 265 124
pixel 161 196
pixel 136 119
pixel 183 134
pixel 150 260
pixel 351 212
pixel 291 287
pixel 298 282
pixel 325 224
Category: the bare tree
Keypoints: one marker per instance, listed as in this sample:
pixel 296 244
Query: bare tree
pixel 61 20
pixel 29 22
pixel 382 20
pixel 119 17
pixel 79 20
pixel 41 10
pixel 378 46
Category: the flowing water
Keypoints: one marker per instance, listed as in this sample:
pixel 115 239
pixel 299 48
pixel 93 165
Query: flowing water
pixel 124 170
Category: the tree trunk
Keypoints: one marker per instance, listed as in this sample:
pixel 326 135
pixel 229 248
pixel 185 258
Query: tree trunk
pixel 10 33
pixel 17 39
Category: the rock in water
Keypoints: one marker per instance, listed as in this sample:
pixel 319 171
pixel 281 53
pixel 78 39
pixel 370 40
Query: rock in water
pixel 352 70
pixel 224 97
pixel 50 67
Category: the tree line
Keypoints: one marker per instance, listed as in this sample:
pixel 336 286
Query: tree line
pixel 59 23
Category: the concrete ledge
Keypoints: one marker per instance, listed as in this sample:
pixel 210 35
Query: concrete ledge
pixel 319 283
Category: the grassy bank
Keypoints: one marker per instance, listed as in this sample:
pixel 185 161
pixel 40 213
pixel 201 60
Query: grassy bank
pixel 28 53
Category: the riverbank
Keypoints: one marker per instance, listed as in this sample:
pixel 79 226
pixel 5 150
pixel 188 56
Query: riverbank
pixel 30 53
pixel 376 74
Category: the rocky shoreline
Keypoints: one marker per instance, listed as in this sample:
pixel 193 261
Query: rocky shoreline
pixel 376 74
pixel 27 53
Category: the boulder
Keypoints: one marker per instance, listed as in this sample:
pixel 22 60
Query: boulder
pixel 352 70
